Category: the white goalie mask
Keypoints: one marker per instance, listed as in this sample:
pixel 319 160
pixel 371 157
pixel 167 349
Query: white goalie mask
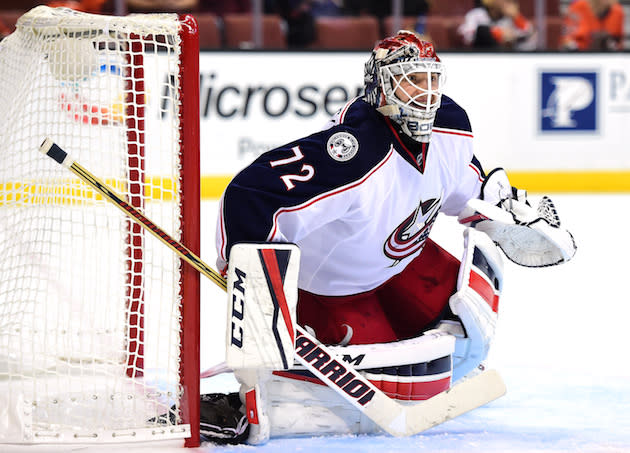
pixel 404 79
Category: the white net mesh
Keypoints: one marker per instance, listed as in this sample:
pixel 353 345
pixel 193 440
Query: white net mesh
pixel 89 305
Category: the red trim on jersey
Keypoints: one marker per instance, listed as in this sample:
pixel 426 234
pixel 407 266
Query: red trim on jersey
pixel 327 194
pixel 484 289
pixel 424 156
pixel 452 132
pixel 476 170
pixel 342 115
pixel 393 129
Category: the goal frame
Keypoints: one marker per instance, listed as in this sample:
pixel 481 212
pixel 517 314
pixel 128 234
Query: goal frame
pixel 184 145
pixel 190 133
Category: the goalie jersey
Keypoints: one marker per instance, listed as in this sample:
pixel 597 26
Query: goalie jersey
pixel 359 198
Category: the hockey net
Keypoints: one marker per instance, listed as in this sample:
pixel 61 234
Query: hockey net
pixel 98 321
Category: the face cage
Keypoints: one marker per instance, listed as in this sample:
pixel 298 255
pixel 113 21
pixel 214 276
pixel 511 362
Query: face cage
pixel 416 106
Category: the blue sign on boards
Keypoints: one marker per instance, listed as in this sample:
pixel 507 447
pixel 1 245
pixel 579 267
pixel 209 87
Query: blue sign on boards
pixel 568 101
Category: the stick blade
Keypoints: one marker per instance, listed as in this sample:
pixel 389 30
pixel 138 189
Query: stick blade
pixel 463 397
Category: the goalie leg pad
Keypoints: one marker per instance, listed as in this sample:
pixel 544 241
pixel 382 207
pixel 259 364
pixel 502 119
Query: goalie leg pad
pixel 280 406
pixel 295 403
pixel 302 408
pixel 262 297
pixel 476 301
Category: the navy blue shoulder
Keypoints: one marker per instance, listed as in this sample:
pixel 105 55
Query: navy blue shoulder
pixel 357 112
pixel 302 170
pixel 451 116
pixel 363 133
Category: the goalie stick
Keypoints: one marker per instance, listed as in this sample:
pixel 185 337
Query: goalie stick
pixel 395 418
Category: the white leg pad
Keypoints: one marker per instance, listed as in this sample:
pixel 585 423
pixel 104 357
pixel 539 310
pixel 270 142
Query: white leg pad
pixel 262 298
pixel 295 403
pixel 278 406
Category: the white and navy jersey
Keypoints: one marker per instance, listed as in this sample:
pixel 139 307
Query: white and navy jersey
pixel 359 198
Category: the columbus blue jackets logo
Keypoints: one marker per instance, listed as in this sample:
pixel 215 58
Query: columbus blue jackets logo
pixel 410 236
pixel 568 101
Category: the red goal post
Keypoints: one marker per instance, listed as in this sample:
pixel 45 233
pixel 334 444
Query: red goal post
pixel 100 333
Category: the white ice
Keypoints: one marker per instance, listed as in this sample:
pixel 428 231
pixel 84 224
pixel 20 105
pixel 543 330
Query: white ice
pixel 562 346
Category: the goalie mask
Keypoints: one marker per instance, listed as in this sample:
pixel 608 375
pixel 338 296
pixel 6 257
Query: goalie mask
pixel 403 80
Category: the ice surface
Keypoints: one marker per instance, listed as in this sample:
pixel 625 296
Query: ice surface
pixel 562 346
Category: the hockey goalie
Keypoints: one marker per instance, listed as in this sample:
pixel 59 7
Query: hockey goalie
pixel 358 200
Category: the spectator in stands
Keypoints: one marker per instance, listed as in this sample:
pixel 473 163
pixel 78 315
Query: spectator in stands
pixel 87 6
pixel 300 20
pixel 300 16
pixel 223 7
pixel 321 8
pixel 380 8
pixel 593 25
pixel 497 24
pixel 158 6
pixel 4 30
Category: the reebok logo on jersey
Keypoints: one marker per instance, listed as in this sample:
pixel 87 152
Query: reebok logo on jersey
pixel 342 146
pixel 409 237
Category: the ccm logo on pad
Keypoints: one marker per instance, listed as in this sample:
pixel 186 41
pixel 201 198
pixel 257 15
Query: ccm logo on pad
pixel 238 308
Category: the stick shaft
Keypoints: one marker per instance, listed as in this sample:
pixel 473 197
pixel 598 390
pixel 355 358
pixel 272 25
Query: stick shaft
pixel 158 232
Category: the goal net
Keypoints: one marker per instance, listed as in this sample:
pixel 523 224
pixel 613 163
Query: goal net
pixel 98 320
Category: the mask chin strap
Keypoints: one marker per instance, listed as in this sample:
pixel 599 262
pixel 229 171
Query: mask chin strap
pixel 422 132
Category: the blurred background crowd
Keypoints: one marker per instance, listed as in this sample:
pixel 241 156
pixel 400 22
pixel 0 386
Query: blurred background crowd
pixel 491 25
